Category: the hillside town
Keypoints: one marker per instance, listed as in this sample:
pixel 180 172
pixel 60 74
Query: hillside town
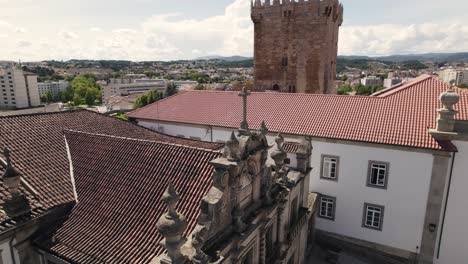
pixel 293 156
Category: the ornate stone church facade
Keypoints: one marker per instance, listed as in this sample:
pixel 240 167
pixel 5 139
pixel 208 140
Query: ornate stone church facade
pixel 259 210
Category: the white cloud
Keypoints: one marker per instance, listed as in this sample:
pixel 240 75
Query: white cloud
pixel 23 44
pixel 68 35
pixel 389 39
pixel 175 36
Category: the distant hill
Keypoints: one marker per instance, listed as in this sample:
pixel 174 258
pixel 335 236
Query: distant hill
pixel 223 58
pixel 432 57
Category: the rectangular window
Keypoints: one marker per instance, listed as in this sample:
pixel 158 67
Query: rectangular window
pixel 329 167
pixel 378 174
pixel 373 216
pixel 248 258
pixel 327 207
pixel 269 243
pixel 293 212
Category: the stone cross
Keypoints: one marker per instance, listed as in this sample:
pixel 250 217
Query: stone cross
pixel 244 94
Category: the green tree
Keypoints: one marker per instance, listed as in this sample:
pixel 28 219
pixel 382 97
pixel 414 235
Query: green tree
pixel 171 89
pixel 90 96
pixel 76 99
pixel 200 87
pixel 49 96
pixel 140 101
pixel 345 89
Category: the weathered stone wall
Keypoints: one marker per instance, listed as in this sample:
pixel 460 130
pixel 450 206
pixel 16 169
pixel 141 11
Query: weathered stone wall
pixel 296 45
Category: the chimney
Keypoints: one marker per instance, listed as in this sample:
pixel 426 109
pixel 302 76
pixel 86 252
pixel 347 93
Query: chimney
pixel 172 225
pixel 17 205
pixel 446 120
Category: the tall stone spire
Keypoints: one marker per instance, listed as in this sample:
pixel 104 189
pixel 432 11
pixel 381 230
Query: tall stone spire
pixel 172 225
pixel 17 205
pixel 244 94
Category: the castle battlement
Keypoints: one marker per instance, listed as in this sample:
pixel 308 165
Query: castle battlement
pixel 259 4
pixel 288 8
pixel 296 44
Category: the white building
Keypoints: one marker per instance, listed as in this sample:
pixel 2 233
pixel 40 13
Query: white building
pixel 371 81
pixel 18 89
pixel 390 82
pixel 460 76
pixel 54 87
pixel 383 176
pixel 123 87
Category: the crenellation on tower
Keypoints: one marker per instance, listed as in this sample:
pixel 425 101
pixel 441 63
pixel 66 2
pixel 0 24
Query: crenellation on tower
pixel 296 44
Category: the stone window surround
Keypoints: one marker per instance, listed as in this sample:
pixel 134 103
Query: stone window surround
pixel 337 167
pixel 334 207
pixel 369 172
pixel 250 248
pixel 364 216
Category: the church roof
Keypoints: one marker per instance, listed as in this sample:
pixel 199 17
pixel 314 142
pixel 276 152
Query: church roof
pixel 119 184
pixel 39 152
pixel 400 116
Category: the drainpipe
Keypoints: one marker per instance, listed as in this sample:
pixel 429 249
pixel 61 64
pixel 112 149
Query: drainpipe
pixel 445 208
pixel 211 127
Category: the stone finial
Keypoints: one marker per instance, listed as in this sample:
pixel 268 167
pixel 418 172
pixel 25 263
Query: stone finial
pixel 232 148
pixel 446 119
pixel 449 98
pixel 263 128
pixel 11 177
pixel 303 154
pixel 258 3
pixel 17 205
pixel 172 225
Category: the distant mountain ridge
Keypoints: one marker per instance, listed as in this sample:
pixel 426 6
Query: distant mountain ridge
pixel 223 58
pixel 433 57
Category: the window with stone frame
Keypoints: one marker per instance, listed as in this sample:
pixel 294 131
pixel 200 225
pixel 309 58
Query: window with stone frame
pixel 293 212
pixel 329 167
pixel 269 244
pixel 378 174
pixel 373 216
pixel 327 207
pixel 248 258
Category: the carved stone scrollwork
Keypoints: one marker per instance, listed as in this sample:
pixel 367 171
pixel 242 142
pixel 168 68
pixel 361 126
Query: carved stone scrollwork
pixel 199 237
pixel 232 148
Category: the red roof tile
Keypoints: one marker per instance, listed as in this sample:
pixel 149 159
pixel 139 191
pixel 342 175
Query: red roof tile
pixel 400 116
pixel 38 147
pixel 119 183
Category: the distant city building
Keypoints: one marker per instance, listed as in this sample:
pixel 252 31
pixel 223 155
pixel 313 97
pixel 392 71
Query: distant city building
pixel 371 81
pixel 123 87
pixel 390 82
pixel 460 76
pixel 54 87
pixel 18 89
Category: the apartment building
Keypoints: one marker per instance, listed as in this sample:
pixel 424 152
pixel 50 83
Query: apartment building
pixel 54 87
pixel 460 76
pixel 18 89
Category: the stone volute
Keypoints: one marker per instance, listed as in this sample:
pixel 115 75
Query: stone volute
pixel 172 225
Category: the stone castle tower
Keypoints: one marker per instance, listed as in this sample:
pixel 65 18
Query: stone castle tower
pixel 296 44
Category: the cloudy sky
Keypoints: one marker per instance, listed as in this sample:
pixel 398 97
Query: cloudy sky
pixel 185 29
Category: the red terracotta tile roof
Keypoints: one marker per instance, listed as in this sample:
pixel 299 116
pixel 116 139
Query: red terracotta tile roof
pixel 119 184
pixel 38 147
pixel 401 116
